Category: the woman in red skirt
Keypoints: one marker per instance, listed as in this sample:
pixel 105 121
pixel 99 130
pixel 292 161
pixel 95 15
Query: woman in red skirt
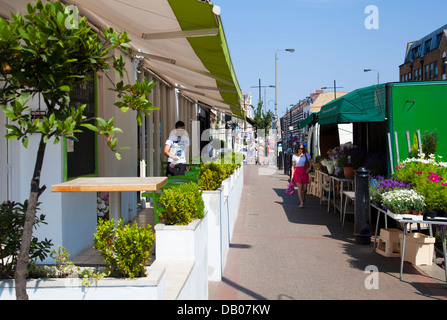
pixel 301 164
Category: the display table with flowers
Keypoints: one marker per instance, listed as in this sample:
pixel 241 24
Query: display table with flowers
pixel 415 193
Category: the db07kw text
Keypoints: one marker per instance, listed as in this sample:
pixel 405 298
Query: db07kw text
pixel 245 309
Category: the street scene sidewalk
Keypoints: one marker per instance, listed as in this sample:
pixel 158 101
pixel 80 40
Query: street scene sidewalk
pixel 281 252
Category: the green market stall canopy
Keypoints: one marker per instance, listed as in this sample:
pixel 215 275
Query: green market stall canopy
pixel 362 105
pixel 311 119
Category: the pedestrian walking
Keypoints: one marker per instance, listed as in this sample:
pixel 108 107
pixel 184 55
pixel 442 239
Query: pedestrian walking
pixel 175 149
pixel 301 166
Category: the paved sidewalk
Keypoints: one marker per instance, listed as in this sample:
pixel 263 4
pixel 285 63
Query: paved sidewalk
pixel 281 252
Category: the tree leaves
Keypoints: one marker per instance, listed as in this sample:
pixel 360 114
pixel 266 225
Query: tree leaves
pixel 135 97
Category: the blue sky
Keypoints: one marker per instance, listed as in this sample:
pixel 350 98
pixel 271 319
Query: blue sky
pixel 330 40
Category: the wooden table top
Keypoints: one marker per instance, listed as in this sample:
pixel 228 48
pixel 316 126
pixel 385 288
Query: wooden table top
pixel 104 184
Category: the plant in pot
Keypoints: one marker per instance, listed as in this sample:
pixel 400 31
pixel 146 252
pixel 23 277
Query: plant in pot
pixel 211 176
pixel 379 185
pixel 317 162
pixel 404 201
pixel 182 204
pixel 125 248
pixel 355 158
pixel 429 178
pixel 435 193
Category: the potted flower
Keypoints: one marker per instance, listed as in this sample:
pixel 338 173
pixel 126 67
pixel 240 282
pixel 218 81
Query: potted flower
pixel 353 158
pixel 379 185
pixel 404 201
pixel 429 178
pixel 317 163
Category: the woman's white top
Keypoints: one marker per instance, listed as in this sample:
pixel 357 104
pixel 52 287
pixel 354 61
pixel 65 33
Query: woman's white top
pixel 300 161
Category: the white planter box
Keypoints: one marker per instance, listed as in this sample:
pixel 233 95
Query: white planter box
pixel 218 240
pixel 183 251
pixel 222 206
pixel 152 287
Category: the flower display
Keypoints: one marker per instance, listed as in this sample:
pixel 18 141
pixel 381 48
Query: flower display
pixel 427 177
pixel 102 205
pixel 380 185
pixel 404 201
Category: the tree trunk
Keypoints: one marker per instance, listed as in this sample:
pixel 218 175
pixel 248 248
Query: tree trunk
pixel 22 260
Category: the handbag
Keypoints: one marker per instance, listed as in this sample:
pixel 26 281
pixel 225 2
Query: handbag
pixel 306 164
pixel 290 189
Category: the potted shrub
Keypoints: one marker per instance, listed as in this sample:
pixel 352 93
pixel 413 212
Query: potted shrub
pixel 125 248
pixel 182 204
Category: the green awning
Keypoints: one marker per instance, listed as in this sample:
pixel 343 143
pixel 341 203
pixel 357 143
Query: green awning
pixel 211 50
pixel 182 42
pixel 362 105
pixel 311 119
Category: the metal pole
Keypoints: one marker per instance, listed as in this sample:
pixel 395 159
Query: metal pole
pixel 276 85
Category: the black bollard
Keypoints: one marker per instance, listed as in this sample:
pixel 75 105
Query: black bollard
pixel 362 226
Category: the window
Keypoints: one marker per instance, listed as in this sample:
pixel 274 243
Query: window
pixel 427 45
pixel 427 75
pixel 81 155
pixel 436 70
pixel 431 70
pixel 416 75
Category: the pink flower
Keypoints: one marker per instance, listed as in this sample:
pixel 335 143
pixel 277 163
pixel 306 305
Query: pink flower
pixel 419 173
pixel 433 177
pixel 444 184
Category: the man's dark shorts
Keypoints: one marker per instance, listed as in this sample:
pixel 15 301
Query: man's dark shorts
pixel 178 170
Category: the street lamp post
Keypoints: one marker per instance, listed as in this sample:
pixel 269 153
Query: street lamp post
pixel 334 87
pixel 276 79
pixel 378 73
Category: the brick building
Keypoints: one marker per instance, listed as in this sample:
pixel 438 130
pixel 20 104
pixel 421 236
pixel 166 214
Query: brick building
pixel 302 110
pixel 425 59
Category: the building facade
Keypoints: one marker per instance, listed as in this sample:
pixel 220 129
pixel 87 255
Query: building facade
pixel 425 59
pixel 302 110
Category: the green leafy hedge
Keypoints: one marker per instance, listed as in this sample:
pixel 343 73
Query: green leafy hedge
pixel 125 249
pixel 182 204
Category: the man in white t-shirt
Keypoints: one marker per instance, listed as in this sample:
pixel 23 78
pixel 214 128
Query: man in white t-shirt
pixel 176 149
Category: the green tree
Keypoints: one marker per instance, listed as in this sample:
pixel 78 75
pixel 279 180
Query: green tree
pixel 263 119
pixel 44 54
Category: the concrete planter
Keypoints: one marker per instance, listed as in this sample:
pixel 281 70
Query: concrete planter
pixel 218 237
pixel 222 206
pixel 183 252
pixel 152 287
